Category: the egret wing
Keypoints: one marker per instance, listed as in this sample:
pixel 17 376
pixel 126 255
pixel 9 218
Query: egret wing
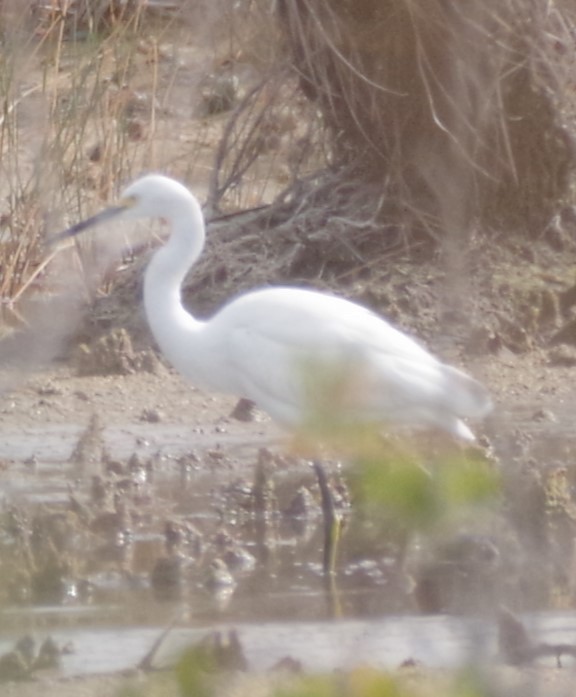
pixel 285 355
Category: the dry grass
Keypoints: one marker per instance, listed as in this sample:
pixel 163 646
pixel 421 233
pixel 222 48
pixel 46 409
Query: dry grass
pixel 460 112
pixel 57 96
pixel 92 99
pixel 89 100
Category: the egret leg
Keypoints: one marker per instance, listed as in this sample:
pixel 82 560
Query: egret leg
pixel 332 520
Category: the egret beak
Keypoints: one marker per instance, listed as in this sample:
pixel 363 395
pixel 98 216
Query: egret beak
pixel 98 219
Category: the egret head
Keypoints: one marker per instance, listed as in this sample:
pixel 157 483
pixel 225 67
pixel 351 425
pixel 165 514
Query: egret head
pixel 151 196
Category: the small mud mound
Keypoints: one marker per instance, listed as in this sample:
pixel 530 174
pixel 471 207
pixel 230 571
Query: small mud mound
pixel 114 354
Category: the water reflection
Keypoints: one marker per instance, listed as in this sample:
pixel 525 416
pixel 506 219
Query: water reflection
pixel 196 536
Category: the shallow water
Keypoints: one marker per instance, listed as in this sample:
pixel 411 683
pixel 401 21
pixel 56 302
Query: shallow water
pixel 280 608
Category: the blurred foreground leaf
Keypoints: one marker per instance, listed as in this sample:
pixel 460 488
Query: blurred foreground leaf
pixel 193 672
pixel 417 495
pixel 216 654
pixel 361 682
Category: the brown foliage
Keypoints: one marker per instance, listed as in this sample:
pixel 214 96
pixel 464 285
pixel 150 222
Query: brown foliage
pixel 461 111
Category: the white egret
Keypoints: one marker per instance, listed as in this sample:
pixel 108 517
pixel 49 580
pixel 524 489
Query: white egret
pixel 264 344
pixel 280 346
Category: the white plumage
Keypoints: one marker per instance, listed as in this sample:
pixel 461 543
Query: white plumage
pixel 291 351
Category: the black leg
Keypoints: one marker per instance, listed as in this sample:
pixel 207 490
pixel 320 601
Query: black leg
pixel 332 520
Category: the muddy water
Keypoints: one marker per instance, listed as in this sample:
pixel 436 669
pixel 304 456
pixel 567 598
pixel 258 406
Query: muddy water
pixel 279 603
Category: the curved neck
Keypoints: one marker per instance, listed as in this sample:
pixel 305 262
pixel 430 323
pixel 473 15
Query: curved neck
pixel 169 321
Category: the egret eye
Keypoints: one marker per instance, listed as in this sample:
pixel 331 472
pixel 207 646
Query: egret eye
pixel 128 201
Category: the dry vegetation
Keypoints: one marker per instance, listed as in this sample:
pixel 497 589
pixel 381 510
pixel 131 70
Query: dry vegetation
pixel 460 113
pixel 90 100
pixel 367 131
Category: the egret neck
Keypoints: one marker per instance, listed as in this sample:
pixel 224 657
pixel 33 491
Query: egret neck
pixel 173 327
